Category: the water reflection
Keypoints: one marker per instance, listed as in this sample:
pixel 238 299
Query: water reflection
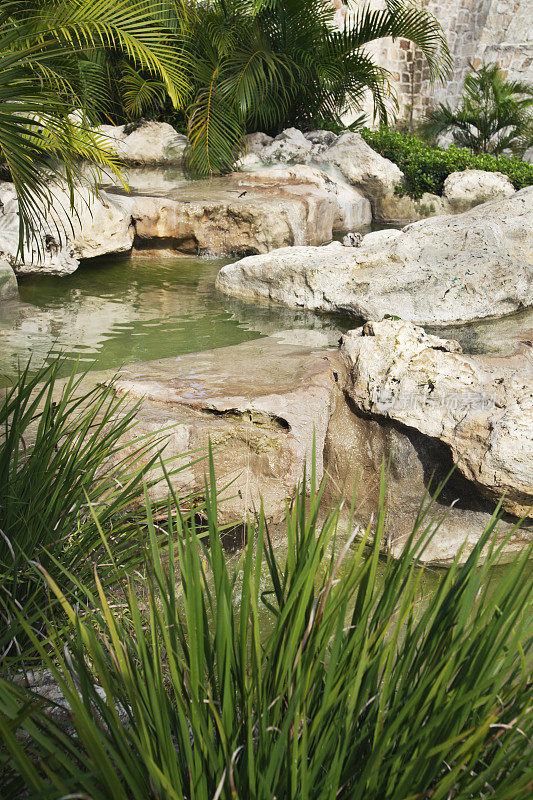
pixel 114 311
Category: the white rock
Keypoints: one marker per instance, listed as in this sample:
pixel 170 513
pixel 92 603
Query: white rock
pixel 147 143
pixel 375 177
pixel 99 225
pixel 464 190
pixel 528 156
pixel 289 146
pixel 481 408
pixel 439 271
pixel 8 281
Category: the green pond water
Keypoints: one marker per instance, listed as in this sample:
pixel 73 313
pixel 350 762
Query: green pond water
pixel 114 311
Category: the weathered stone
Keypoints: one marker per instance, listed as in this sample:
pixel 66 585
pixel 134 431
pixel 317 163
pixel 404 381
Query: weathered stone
pixel 146 143
pixel 290 146
pixel 480 407
pixel 357 445
pixel 260 404
pixel 438 271
pixel 528 156
pixel 45 254
pixel 99 225
pixel 464 190
pixel 320 137
pixel 249 212
pixel 8 281
pixel 351 209
pixel 375 177
pixel 255 142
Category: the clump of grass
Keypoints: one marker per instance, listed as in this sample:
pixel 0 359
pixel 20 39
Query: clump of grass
pixel 63 449
pixel 357 689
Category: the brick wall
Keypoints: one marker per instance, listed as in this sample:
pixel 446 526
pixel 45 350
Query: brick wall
pixel 491 30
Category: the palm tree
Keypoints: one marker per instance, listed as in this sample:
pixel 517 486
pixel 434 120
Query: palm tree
pixel 493 115
pixel 266 64
pixel 54 83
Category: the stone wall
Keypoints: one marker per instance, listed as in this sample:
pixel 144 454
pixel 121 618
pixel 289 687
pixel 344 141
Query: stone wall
pixel 477 30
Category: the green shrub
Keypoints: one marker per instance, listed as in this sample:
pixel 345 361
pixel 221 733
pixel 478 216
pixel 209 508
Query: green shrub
pixel 426 167
pixel 304 676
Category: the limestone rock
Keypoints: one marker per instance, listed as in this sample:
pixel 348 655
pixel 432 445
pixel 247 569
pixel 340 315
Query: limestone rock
pixel 481 408
pixel 528 156
pixel 260 403
pixel 251 212
pixel 146 143
pixel 439 271
pixel 356 447
pixel 99 225
pixel 375 177
pixel 464 190
pixel 290 146
pixel 8 281
pixel 321 138
pixel 255 142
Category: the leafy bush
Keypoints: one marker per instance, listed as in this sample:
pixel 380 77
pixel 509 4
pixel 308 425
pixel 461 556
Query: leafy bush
pixel 277 63
pixel 300 677
pixel 493 115
pixel 426 167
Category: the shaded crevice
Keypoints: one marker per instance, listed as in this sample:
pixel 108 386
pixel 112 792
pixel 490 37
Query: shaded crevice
pixel 260 418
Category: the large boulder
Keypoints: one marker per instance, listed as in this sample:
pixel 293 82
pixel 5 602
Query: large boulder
pixel 8 281
pixel 261 404
pixel 481 408
pixel 358 445
pixel 248 212
pixel 439 271
pixel 98 225
pixel 464 190
pixel 376 177
pixel 145 143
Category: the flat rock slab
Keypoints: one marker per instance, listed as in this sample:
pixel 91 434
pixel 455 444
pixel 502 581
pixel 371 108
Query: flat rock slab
pixel 480 407
pixel 246 212
pixel 440 271
pixel 260 403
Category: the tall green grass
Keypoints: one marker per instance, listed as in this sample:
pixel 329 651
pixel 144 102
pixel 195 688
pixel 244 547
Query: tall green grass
pixel 356 689
pixel 63 449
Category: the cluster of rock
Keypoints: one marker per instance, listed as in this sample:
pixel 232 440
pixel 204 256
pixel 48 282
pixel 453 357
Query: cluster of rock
pixel 440 271
pixel 391 392
pixel 237 214
pixel 294 189
pixel 377 178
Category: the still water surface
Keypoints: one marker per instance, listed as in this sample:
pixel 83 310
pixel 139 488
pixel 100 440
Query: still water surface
pixel 114 311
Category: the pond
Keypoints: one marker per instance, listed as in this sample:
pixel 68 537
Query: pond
pixel 117 310
pixel 114 311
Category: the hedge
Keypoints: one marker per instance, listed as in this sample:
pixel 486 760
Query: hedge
pixel 426 167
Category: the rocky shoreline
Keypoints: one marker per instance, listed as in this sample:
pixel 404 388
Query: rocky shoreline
pixel 391 393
